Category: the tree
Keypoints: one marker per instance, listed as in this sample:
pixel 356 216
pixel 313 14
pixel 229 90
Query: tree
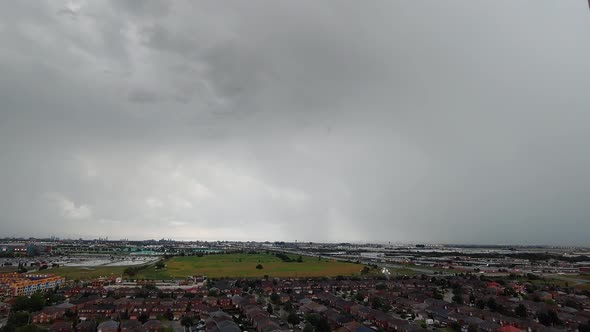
pixel 520 311
pixel 186 321
pixel 381 286
pixel 308 328
pixel 312 319
pixel 509 291
pixel 472 328
pixel 455 326
pixel 269 309
pixel 214 292
pixel 288 306
pixel 16 319
pixel 130 271
pixel 30 328
pixel 21 268
pixel 166 329
pixel 437 295
pixel 323 325
pixel 491 303
pixel 169 315
pixel 160 265
pixel 584 327
pixel 299 259
pixel 548 318
pixel 376 302
pixel 259 267
pixel 275 298
pixel 34 303
pixel 292 318
pixel 144 317
pixel 458 299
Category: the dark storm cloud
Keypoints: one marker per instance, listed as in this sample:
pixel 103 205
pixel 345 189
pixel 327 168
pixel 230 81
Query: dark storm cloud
pixel 381 121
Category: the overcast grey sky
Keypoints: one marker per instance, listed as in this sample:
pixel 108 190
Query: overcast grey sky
pixel 437 121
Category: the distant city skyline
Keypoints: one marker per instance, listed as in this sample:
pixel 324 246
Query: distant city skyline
pixel 424 122
pixel 367 242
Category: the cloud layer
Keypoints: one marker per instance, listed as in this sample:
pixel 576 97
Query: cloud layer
pixel 262 120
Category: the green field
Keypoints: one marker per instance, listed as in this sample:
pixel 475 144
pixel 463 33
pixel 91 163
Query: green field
pixel 577 276
pixel 224 265
pixel 85 273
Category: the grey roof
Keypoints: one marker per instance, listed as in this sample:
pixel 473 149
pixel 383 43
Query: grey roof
pixel 219 314
pixel 225 326
pixel 363 328
pixel 109 324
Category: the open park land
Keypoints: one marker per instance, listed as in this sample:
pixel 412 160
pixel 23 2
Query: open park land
pixel 221 265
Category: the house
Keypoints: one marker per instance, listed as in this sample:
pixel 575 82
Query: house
pixel 178 310
pixel 284 298
pixel 61 326
pixel 487 326
pixel 366 313
pixel 236 300
pixel 267 326
pixel 544 296
pixel 267 287
pixel 158 310
pixel 354 327
pixel 313 307
pixel 413 328
pixel 151 302
pixel 141 309
pixel 202 310
pixel 108 326
pixel 67 306
pixel 86 326
pixel 397 324
pixel 4 307
pixel 386 322
pixel 335 318
pixel 152 325
pixel 167 303
pixel 48 315
pixel 225 302
pixel 220 321
pixel 94 310
pixel 211 300
pixel 508 328
pixel 344 305
pixel 494 288
pixel 131 325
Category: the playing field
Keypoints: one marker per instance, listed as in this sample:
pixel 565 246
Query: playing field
pixel 218 266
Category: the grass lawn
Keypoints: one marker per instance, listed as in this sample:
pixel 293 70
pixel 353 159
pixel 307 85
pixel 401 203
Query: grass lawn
pixel 403 272
pixel 244 265
pixel 577 276
pixel 85 273
pixel 8 269
pixel 218 266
